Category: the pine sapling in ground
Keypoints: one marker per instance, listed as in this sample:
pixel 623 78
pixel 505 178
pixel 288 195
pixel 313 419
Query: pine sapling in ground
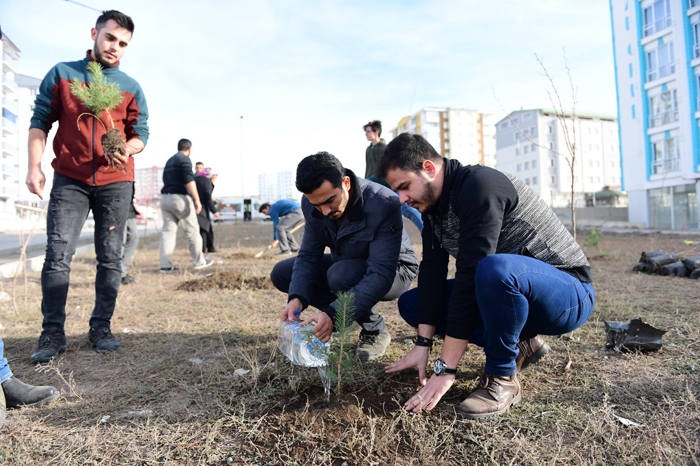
pixel 100 96
pixel 340 356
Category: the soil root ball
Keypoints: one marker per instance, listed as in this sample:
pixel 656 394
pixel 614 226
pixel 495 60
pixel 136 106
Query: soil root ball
pixel 113 143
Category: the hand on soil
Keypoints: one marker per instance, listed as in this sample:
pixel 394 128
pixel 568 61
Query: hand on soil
pixel 417 359
pixel 429 396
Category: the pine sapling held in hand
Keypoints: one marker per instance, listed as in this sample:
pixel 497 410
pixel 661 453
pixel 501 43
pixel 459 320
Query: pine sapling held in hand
pixel 100 96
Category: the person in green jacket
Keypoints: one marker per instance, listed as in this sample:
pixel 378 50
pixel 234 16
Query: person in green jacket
pixel 373 154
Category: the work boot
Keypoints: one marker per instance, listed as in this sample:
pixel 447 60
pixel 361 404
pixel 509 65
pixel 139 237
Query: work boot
pixel 18 394
pixel 494 396
pixel 102 339
pixel 49 347
pixel 128 279
pixel 372 347
pixel 531 351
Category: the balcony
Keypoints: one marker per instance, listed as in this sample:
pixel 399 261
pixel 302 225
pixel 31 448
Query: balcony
pixel 11 105
pixel 657 25
pixel 10 170
pixel 694 3
pixel 664 118
pixel 661 71
pixel 9 85
pixel 9 149
pixel 9 127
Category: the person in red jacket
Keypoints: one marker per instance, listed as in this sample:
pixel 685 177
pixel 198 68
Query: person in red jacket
pixel 84 181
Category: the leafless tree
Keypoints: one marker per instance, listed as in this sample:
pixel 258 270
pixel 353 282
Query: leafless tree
pixel 567 121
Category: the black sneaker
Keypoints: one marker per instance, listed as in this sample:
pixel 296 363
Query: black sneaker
pixel 102 339
pixel 169 269
pixel 49 347
pixel 128 279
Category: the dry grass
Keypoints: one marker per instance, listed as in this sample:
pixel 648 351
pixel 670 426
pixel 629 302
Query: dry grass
pixel 170 395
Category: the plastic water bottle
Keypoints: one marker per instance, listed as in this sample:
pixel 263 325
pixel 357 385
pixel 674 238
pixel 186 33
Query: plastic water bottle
pixel 301 346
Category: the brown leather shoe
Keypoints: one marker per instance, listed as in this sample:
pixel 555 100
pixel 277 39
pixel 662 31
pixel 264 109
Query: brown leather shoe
pixel 494 396
pixel 531 351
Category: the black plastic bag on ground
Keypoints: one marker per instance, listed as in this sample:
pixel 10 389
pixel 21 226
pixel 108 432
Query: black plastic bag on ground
pixel 634 335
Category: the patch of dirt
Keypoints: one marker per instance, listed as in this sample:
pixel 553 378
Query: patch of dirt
pixel 227 281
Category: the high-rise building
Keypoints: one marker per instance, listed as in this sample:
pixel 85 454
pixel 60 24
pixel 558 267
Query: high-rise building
pixel 9 171
pixel 276 186
pixel 465 135
pixel 531 145
pixel 148 183
pixel 28 89
pixel 657 69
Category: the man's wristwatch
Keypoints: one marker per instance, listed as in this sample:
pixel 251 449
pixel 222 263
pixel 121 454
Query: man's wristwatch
pixel 441 368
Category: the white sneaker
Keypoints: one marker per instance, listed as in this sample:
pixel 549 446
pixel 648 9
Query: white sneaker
pixel 207 263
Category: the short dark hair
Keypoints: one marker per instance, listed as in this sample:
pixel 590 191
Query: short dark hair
pixel 199 163
pixel 263 207
pixel 407 152
pixel 184 144
pixel 313 170
pixel 118 17
pixel 376 125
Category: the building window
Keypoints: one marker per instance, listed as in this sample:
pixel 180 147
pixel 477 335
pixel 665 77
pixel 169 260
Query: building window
pixel 533 131
pixel 551 163
pixel 534 164
pixel 526 149
pixel 527 116
pixel 663 108
pixel 660 61
pixel 666 156
pixel 533 147
pixel 657 17
pixel 527 165
pixel 527 181
pixel 518 167
pixel 517 151
pixel 554 179
pixel 534 180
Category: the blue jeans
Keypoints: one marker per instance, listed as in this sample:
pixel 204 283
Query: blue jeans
pixel 516 294
pixel 70 203
pixel 342 276
pixel 5 372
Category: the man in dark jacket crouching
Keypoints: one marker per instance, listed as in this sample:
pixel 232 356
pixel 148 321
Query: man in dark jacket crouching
pixel 371 256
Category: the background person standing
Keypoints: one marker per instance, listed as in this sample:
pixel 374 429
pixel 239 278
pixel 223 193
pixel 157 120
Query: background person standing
pixel 373 154
pixel 205 186
pixel 180 205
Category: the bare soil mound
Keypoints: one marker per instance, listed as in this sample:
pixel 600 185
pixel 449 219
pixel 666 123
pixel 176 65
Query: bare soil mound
pixel 227 281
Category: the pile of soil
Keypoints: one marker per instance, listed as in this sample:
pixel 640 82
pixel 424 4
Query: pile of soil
pixel 227 281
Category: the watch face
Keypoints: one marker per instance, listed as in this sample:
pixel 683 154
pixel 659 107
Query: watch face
pixel 439 366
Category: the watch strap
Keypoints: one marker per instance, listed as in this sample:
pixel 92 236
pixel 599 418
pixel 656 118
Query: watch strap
pixel 423 341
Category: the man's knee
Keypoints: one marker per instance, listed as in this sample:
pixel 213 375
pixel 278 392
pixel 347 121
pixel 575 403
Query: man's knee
pixel 344 275
pixel 281 274
pixel 408 303
pixel 492 270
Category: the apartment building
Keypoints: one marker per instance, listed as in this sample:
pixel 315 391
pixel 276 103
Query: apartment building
pixel 280 185
pixel 9 170
pixel 465 135
pixel 148 183
pixel 657 69
pixel 531 145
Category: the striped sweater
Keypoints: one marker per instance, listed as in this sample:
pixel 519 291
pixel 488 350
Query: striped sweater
pixel 482 211
pixel 77 144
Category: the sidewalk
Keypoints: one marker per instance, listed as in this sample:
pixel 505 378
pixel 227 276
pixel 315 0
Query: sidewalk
pixel 10 249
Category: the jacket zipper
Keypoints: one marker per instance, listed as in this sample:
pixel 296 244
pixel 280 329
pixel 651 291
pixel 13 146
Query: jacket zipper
pixel 92 149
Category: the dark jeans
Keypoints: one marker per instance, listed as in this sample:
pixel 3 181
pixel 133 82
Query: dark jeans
pixel 70 203
pixel 515 294
pixel 341 276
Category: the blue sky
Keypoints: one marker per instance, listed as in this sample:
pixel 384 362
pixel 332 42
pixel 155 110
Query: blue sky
pixel 306 75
